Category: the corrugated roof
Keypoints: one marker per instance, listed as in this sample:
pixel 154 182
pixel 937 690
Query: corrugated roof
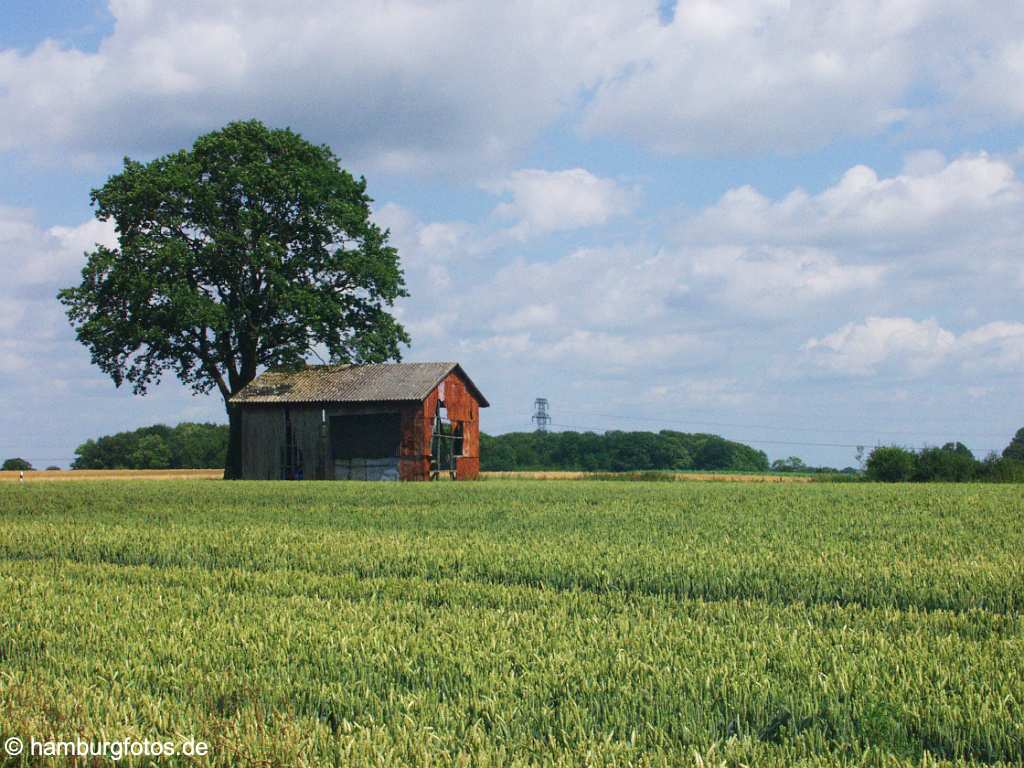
pixel 351 384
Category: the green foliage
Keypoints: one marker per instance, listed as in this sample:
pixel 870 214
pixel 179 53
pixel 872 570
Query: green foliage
pixel 15 465
pixel 714 454
pixel 1001 470
pixel 1015 450
pixel 518 623
pixel 246 251
pixel 186 446
pixel 615 451
pixel 953 463
pixel 890 464
pixel 791 464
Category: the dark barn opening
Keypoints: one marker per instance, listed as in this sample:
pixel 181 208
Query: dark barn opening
pixel 369 436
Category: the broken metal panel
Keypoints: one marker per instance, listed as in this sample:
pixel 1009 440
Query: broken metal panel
pixel 367 469
pixel 463 411
pixel 467 468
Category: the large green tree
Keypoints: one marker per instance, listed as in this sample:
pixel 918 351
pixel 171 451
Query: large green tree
pixel 246 251
pixel 1015 450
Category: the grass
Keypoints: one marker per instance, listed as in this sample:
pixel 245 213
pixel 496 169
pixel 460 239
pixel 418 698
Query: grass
pixel 519 623
pixel 654 475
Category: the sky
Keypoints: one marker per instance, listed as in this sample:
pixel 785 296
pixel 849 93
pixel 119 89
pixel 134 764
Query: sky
pixel 795 224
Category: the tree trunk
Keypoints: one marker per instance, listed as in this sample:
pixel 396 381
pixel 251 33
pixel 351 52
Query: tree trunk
pixel 233 461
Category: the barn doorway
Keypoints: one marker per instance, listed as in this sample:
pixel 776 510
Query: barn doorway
pixel 365 446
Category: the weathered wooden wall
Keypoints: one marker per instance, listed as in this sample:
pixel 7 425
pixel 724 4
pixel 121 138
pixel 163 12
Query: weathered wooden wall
pixel 306 422
pixel 262 440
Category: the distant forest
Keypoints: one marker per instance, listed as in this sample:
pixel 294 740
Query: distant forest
pixel 616 452
pixel 193 446
pixel 200 446
pixel 186 446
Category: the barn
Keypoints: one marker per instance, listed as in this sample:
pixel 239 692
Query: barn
pixel 399 421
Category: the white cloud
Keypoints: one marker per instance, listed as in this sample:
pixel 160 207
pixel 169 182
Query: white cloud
pixel 596 352
pixel 427 251
pixel 947 232
pixel 922 205
pixel 860 348
pixel 401 85
pixel 605 351
pixel 529 316
pixel 762 74
pixel 405 85
pixel 550 201
pixel 995 346
pixel 779 281
pixel 755 75
pixel 600 289
pixel 714 392
pixel 30 255
pixel 917 347
pixel 35 263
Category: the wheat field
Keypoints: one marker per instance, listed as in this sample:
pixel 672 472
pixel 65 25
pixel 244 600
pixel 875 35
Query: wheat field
pixel 556 623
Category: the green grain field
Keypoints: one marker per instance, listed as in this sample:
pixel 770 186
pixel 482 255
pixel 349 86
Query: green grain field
pixel 505 623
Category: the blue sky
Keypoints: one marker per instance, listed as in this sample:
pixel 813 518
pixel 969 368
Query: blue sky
pixel 791 224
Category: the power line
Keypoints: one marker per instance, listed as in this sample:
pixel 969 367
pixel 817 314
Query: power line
pixel 763 442
pixel 776 428
pixel 732 425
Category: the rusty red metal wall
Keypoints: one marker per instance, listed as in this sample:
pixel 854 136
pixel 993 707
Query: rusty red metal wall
pixel 414 463
pixel 418 424
pixel 462 406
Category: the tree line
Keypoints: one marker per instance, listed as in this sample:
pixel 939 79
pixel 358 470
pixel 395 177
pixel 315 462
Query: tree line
pixel 616 451
pixel 187 446
pixel 199 446
pixel 952 462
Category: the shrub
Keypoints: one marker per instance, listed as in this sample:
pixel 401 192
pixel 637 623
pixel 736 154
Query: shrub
pixel 951 463
pixel 997 470
pixel 1015 450
pixel 890 464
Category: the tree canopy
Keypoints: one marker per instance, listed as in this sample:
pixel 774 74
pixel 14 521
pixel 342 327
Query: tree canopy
pixel 616 451
pixel 1015 450
pixel 952 463
pixel 16 464
pixel 249 250
pixel 186 446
